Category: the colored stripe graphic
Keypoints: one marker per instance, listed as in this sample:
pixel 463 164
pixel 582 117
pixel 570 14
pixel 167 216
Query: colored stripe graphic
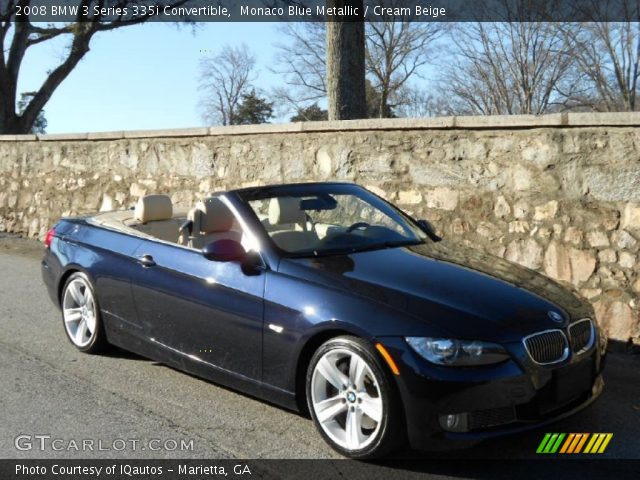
pixel 567 443
pixel 543 443
pixel 550 443
pixel 573 443
pixel 590 444
pixel 576 439
pixel 581 443
pixel 600 442
pixel 605 443
pixel 556 445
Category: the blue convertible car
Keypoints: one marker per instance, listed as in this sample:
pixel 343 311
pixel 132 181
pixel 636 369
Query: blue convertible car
pixel 323 297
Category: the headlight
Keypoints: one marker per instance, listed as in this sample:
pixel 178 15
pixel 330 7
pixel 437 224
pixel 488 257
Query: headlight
pixel 448 351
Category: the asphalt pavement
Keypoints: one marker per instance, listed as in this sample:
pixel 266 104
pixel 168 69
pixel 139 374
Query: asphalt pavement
pixel 52 391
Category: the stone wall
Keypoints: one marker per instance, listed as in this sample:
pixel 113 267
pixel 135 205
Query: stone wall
pixel 558 193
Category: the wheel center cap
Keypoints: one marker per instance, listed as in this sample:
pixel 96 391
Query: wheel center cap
pixel 351 397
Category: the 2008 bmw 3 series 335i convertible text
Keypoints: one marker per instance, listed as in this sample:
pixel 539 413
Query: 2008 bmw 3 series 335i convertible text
pixel 323 297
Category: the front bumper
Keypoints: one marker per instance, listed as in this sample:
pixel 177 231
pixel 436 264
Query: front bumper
pixel 524 424
pixel 514 396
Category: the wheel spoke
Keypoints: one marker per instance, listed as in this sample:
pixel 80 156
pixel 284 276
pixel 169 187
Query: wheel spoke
pixel 81 332
pixel 91 312
pixel 372 407
pixel 328 409
pixel 91 324
pixel 85 295
pixel 357 370
pixel 353 429
pixel 331 373
pixel 88 299
pixel 77 296
pixel 72 314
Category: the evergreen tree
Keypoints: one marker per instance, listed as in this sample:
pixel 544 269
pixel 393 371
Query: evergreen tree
pixel 252 109
pixel 312 113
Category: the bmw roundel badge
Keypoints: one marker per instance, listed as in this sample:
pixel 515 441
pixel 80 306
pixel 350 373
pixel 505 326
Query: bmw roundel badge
pixel 555 316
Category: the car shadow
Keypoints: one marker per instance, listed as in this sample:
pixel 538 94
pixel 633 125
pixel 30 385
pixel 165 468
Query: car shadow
pixel 229 389
pixel 119 353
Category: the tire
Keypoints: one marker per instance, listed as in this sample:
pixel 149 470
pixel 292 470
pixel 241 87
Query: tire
pixel 81 315
pixel 363 420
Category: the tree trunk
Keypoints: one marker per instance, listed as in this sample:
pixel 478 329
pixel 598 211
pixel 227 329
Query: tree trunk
pixel 8 117
pixel 346 64
pixel 7 126
pixel 384 98
pixel 9 122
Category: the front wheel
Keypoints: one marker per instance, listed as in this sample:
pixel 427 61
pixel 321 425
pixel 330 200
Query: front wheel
pixel 352 400
pixel 81 315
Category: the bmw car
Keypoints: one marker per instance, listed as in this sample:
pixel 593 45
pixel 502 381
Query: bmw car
pixel 326 299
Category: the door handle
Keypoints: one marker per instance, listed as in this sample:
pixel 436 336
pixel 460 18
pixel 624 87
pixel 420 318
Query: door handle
pixel 146 260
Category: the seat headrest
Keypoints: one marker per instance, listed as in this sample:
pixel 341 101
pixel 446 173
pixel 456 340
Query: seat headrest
pixel 153 207
pixel 214 216
pixel 285 210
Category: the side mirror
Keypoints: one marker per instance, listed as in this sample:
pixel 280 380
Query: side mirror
pixel 252 264
pixel 225 250
pixel 427 228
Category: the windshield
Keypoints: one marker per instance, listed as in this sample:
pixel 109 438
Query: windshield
pixel 315 220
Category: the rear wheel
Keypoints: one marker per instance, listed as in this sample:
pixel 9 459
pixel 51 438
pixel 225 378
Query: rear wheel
pixel 81 315
pixel 352 399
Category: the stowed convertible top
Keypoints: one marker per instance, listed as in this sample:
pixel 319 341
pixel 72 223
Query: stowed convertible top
pixel 152 217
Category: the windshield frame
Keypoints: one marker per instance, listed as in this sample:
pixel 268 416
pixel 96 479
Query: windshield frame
pixel 246 195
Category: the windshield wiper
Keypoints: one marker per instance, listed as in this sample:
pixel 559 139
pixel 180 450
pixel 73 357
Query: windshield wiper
pixel 359 248
pixel 390 244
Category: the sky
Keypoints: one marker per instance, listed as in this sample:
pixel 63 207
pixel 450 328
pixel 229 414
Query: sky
pixel 142 77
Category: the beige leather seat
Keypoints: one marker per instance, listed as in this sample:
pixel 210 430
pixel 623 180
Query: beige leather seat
pixel 211 220
pixel 289 226
pixel 153 216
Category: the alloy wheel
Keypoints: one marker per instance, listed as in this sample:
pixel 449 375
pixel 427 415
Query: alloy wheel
pixel 79 312
pixel 346 399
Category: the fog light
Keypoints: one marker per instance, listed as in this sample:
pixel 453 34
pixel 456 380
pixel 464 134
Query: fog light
pixel 454 422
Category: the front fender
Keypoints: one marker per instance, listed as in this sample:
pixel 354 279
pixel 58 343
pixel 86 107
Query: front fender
pixel 298 311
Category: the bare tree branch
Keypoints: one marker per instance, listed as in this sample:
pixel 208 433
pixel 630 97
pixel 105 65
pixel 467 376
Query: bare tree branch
pixel 510 67
pixel 607 55
pixel 396 48
pixel 301 61
pixel 224 78
pixel 21 35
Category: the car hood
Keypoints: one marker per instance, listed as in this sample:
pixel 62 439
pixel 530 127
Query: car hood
pixel 463 291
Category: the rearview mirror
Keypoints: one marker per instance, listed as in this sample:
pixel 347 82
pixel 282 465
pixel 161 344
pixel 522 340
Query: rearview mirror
pixel 321 202
pixel 427 228
pixel 225 250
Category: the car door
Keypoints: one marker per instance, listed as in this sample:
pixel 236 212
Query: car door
pixel 205 311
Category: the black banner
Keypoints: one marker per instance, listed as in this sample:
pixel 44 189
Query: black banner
pixel 319 10
pixel 314 469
